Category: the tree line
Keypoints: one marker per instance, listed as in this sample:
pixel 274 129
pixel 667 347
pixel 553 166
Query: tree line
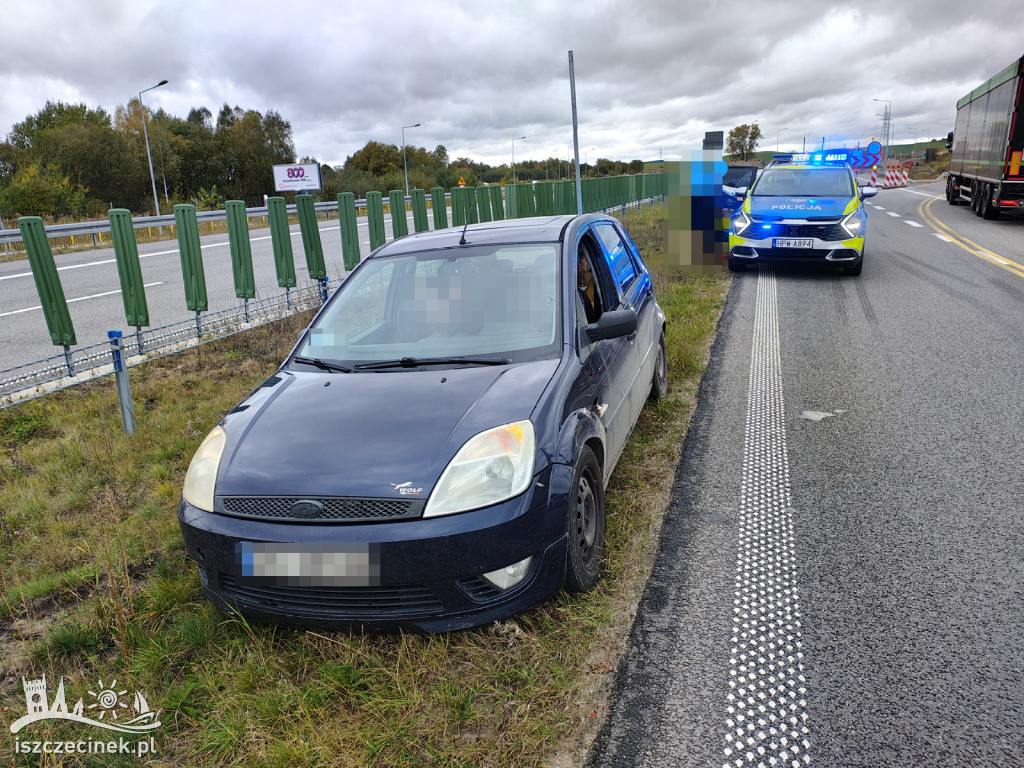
pixel 75 161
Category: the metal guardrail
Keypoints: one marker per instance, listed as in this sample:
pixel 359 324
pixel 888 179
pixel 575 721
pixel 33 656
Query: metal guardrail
pixel 85 363
pixel 145 222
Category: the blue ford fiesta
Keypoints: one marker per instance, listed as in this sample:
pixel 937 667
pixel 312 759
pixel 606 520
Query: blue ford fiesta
pixel 433 453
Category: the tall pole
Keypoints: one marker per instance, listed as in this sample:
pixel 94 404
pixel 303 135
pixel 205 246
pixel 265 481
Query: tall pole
pixel 514 157
pixel 149 155
pixel 575 136
pixel 405 165
pixel 777 134
pixel 886 128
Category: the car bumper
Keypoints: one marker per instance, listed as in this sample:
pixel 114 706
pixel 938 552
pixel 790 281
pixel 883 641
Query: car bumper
pixel 430 571
pixel 845 252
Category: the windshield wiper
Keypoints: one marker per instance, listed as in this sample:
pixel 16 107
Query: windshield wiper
pixel 415 362
pixel 321 364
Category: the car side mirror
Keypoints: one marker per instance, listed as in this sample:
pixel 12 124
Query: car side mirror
pixel 612 325
pixel 868 192
pixel 741 193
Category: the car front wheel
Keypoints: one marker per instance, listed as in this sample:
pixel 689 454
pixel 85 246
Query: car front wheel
pixel 585 526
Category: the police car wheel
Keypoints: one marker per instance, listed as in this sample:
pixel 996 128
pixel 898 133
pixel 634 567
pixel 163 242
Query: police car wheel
pixel 735 266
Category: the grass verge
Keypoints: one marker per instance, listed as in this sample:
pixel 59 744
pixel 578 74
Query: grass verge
pixel 95 586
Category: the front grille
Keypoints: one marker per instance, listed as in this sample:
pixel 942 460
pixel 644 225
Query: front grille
pixel 331 509
pixel 333 603
pixel 828 229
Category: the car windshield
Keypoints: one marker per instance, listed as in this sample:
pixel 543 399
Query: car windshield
pixel 496 302
pixel 804 182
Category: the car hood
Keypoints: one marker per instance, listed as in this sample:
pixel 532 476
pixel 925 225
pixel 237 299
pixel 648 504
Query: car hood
pixel 367 434
pixel 798 207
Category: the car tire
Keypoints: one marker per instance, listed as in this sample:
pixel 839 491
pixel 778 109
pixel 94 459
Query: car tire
pixel 735 266
pixel 585 525
pixel 856 270
pixel 659 384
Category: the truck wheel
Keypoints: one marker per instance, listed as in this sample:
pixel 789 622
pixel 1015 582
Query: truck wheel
pixel 976 197
pixel 952 195
pixel 988 211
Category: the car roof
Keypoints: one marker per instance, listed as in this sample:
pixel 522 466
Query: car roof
pixel 537 229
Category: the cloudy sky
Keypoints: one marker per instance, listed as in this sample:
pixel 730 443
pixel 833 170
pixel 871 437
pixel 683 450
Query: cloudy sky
pixel 651 75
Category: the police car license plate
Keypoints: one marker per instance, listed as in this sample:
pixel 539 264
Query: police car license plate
pixel 788 242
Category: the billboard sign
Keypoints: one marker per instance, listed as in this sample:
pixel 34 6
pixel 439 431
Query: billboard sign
pixel 297 178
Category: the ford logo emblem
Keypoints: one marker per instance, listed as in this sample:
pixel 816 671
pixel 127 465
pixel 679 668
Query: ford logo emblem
pixel 307 509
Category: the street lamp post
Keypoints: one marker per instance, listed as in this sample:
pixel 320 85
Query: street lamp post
pixel 886 128
pixel 777 134
pixel 514 157
pixel 405 165
pixel 149 155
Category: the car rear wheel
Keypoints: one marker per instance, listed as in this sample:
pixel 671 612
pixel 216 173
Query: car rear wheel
pixel 659 386
pixel 585 526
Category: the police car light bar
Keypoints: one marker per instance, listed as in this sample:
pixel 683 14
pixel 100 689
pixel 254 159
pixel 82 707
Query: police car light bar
pixel 814 158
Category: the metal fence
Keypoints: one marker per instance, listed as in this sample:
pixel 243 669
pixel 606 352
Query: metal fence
pixel 88 362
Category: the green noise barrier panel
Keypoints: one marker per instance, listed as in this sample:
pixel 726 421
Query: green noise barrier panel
pixel 497 202
pixel 311 244
pixel 399 222
pixel 241 250
pixel 129 272
pixel 44 272
pixel 483 203
pixel 349 230
pixel 440 207
pixel 281 239
pixel 419 210
pixel 375 218
pixel 191 257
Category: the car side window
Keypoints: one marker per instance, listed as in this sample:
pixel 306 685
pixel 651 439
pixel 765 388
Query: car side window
pixel 592 284
pixel 623 269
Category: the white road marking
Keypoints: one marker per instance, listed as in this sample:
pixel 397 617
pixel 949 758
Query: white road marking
pixel 913 223
pixel 915 192
pixel 767 710
pixel 942 237
pixel 893 213
pixel 72 301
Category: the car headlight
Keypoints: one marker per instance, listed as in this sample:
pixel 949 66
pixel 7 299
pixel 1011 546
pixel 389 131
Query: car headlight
pixel 201 477
pixel 740 223
pixel 852 224
pixel 490 468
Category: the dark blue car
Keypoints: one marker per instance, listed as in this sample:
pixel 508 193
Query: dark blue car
pixel 434 452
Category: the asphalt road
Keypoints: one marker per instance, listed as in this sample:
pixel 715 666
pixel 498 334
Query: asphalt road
pixel 840 579
pixel 91 286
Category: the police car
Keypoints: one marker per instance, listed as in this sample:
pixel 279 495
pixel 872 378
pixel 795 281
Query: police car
pixel 802 208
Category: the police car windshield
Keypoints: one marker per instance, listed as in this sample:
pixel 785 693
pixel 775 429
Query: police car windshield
pixel 804 182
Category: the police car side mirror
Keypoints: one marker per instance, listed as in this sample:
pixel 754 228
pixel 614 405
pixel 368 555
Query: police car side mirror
pixel 868 192
pixel 741 193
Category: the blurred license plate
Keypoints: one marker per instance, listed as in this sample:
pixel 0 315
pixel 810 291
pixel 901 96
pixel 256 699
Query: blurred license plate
pixel 308 565
pixel 788 242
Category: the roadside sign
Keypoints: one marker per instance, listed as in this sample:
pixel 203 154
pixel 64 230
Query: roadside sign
pixel 462 182
pixel 297 178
